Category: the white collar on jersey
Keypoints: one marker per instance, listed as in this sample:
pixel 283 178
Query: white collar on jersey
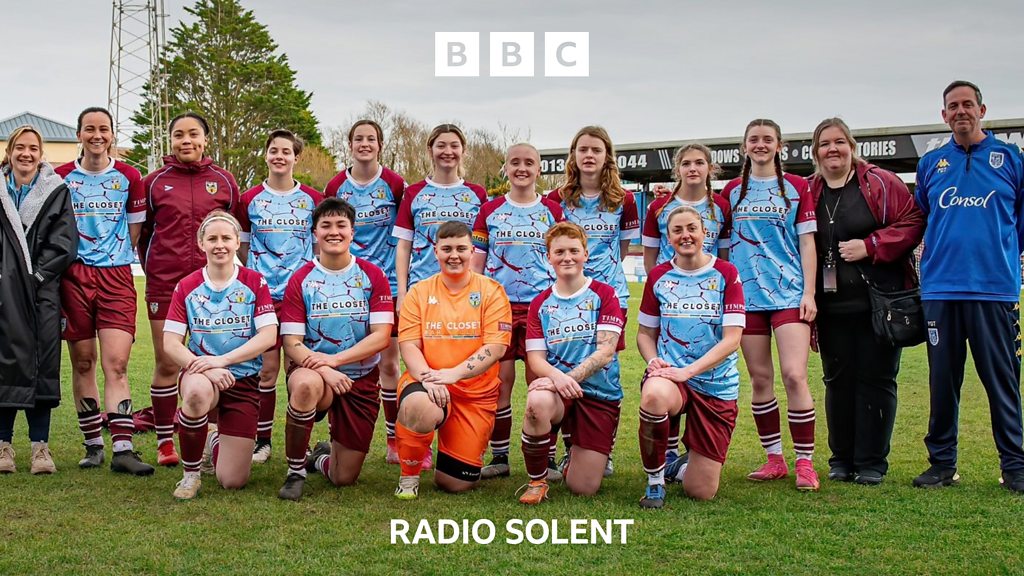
pixel 78 166
pixel 326 270
pixel 209 282
pixel 272 190
pixel 520 204
pixel 357 183
pixel 701 270
pixel 430 182
pixel 691 203
pixel 586 286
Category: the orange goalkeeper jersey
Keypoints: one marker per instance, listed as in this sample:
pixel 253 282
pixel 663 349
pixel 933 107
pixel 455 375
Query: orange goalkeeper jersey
pixel 451 327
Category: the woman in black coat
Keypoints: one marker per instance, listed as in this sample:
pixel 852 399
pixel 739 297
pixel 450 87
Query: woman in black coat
pixel 40 241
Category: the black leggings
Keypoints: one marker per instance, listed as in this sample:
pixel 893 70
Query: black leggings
pixel 38 423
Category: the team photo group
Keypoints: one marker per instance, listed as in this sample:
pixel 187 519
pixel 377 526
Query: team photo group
pixel 417 300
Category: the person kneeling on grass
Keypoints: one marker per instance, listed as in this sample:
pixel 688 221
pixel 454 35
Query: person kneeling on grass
pixel 572 331
pixel 336 319
pixel 453 329
pixel 691 319
pixel 229 316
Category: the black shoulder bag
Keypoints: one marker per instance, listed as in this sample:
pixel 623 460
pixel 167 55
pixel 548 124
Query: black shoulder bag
pixel 897 317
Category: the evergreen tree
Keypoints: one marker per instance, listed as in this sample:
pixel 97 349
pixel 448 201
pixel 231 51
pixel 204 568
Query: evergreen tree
pixel 225 66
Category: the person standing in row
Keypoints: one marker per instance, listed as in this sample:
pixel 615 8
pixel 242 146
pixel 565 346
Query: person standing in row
pixel 975 184
pixel 277 219
pixel 509 241
pixel 375 192
pixel 593 197
pixel 772 246
pixel 868 227
pixel 178 198
pixel 41 240
pixel 98 298
pixel 426 205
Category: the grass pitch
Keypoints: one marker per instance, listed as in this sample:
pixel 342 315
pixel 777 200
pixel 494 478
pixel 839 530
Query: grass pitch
pixel 94 522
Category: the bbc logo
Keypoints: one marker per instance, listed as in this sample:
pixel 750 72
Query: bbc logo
pixel 511 54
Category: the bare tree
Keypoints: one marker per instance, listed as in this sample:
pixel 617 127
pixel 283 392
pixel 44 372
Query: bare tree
pixel 405 146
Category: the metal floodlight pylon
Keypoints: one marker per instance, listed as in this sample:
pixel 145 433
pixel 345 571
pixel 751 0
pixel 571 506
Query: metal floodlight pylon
pixel 137 39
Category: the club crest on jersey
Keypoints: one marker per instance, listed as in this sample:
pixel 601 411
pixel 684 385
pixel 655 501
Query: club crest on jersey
pixel 942 166
pixel 378 194
pixel 153 307
pixel 301 205
pixel 431 300
pixel 474 299
pixel 933 336
pixel 238 297
pixel 115 185
pixel 211 188
pixel 589 304
pixel 995 159
pixel 713 285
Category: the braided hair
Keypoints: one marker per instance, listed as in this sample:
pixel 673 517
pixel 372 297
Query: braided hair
pixel 777 160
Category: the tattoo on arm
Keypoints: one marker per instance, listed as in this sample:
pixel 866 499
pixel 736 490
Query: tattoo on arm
pixel 470 366
pixel 592 363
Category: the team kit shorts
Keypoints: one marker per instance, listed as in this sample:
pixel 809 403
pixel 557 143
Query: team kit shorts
pixel 709 422
pixel 763 323
pixel 238 408
pixel 462 435
pixel 517 346
pixel 591 423
pixel 352 416
pixel 94 299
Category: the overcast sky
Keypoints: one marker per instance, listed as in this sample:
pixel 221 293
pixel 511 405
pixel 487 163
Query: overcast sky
pixel 659 70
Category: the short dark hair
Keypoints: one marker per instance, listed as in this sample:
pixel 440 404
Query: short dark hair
pixel 453 229
pixel 960 84
pixel 297 142
pixel 333 207
pixel 193 115
pixel 90 110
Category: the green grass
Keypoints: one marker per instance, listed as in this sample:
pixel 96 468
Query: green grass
pixel 78 522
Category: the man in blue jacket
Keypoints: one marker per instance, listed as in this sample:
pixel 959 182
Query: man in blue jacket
pixel 972 192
